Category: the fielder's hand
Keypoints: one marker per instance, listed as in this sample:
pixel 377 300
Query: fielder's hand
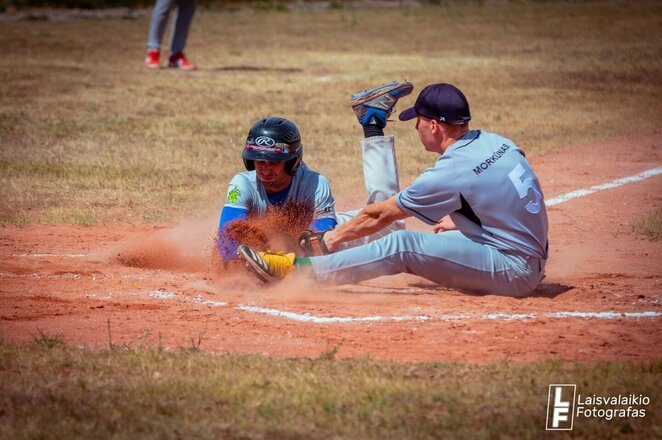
pixel 443 225
pixel 312 243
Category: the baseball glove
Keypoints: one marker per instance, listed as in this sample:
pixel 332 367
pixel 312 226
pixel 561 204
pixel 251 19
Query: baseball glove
pixel 312 243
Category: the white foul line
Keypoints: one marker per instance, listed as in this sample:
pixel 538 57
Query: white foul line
pixel 50 255
pixel 198 299
pixel 163 295
pixel 604 315
pixel 307 317
pixel 613 184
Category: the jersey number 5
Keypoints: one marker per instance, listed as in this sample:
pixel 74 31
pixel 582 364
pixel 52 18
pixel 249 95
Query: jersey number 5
pixel 523 185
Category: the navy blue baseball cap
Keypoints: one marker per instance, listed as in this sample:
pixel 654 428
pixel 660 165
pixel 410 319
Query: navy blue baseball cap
pixel 442 102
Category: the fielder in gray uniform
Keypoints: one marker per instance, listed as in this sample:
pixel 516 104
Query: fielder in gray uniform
pixel 482 196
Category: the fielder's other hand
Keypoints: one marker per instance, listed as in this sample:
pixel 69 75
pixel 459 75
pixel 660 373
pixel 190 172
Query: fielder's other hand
pixel 443 225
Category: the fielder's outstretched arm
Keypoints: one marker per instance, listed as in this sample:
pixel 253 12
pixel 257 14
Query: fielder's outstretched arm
pixel 371 219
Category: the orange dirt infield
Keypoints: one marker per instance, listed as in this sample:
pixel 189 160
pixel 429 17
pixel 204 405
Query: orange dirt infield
pixel 601 299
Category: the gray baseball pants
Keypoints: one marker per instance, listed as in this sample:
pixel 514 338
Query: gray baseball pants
pixel 181 24
pixel 380 173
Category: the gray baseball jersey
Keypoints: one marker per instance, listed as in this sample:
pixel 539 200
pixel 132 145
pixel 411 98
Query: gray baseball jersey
pixel 487 186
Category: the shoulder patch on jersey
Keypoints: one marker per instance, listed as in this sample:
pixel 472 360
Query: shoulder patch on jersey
pixel 233 194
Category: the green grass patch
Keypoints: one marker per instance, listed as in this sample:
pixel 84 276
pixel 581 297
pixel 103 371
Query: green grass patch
pixel 85 126
pixel 48 389
pixel 16 219
pixel 68 216
pixel 87 194
pixel 651 225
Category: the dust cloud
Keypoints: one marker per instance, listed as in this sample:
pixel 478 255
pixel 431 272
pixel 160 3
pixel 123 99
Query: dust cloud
pixel 191 245
pixel 187 246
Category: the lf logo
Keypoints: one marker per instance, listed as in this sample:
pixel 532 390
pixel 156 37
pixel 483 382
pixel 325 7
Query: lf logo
pixel 560 407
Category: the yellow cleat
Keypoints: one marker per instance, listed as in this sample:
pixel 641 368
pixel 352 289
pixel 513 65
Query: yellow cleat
pixel 268 266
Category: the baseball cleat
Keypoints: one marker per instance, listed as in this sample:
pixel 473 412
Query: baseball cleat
pixel 373 107
pixel 152 59
pixel 179 61
pixel 268 266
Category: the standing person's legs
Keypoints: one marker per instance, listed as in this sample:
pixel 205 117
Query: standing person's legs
pixel 183 18
pixel 449 259
pixel 158 23
pixel 380 173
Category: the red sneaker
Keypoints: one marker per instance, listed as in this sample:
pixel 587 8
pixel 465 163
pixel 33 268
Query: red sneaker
pixel 152 59
pixel 179 61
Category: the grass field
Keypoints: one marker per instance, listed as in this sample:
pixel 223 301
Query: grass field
pixel 651 225
pixel 88 135
pixel 149 393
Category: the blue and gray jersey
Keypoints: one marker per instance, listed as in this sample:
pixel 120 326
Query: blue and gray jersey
pixel 484 182
pixel 246 192
pixel 246 196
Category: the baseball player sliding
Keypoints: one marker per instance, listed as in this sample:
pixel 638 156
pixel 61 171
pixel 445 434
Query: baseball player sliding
pixel 276 176
pixel 481 194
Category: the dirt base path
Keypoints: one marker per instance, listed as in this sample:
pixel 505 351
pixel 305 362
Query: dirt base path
pixel 601 298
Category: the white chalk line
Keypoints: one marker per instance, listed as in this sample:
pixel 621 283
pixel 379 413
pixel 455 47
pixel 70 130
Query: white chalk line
pixel 307 317
pixel 310 318
pixel 78 276
pixel 70 255
pixel 198 299
pixel 163 295
pixel 613 184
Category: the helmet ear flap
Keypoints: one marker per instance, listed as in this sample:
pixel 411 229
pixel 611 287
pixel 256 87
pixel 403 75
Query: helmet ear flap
pixel 249 164
pixel 292 164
